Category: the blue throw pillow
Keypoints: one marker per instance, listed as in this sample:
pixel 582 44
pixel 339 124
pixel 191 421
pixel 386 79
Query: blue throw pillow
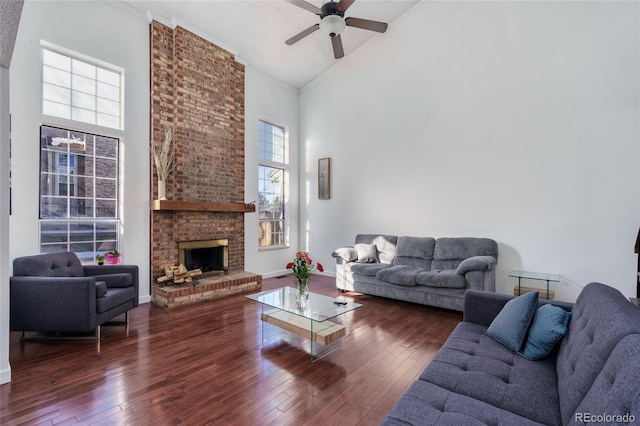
pixel 510 326
pixel 549 325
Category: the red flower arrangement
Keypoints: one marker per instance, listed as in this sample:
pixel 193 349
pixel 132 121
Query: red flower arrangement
pixel 302 266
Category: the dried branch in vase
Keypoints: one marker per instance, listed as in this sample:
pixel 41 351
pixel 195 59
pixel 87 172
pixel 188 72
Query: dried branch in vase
pixel 164 156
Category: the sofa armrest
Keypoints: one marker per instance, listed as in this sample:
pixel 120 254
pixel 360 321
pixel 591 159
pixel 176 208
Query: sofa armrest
pixel 476 263
pixel 52 303
pixel 348 254
pixel 102 273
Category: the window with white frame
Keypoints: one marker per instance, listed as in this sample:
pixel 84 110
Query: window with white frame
pixel 79 168
pixel 272 169
pixel 78 192
pixel 78 90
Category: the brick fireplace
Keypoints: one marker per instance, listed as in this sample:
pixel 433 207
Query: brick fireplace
pixel 197 90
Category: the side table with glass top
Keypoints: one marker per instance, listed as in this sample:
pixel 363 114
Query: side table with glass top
pixel 318 323
pixel 538 276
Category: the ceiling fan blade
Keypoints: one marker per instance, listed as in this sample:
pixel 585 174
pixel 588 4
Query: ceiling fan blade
pixel 336 42
pixel 296 38
pixel 306 6
pixel 344 5
pixel 366 24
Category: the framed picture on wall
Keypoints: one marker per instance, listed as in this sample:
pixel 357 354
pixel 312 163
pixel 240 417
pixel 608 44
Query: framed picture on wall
pixel 324 178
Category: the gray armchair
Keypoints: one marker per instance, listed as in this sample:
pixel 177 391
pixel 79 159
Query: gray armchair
pixel 55 293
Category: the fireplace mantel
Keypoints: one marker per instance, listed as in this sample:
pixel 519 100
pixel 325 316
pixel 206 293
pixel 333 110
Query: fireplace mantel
pixel 201 206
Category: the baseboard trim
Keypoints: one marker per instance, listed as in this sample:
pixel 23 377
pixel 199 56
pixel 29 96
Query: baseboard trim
pixel 5 376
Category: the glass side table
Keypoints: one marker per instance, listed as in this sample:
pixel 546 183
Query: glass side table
pixel 538 276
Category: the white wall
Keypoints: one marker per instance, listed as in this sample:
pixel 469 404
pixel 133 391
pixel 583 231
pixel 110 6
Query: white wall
pixel 5 368
pixel 516 121
pixel 107 32
pixel 268 100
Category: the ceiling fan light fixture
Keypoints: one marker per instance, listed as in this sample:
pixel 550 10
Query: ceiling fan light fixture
pixel 332 25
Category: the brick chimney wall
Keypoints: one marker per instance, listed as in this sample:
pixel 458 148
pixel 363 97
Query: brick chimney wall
pixel 197 89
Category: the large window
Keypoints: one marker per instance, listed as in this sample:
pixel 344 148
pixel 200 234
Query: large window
pixel 77 90
pixel 271 185
pixel 78 192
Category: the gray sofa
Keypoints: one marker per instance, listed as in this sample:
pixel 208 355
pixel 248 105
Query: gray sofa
pixel 593 375
pixel 56 293
pixel 424 270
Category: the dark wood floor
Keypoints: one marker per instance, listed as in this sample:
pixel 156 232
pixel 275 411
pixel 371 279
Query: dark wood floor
pixel 204 364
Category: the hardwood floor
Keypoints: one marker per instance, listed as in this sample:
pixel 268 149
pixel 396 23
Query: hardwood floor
pixel 204 364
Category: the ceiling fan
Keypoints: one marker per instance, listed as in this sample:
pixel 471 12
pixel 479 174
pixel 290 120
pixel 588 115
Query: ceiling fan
pixel 333 22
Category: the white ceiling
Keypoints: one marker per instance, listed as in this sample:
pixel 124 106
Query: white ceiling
pixel 255 30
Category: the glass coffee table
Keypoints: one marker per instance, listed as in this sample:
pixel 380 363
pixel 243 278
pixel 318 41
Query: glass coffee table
pixel 318 323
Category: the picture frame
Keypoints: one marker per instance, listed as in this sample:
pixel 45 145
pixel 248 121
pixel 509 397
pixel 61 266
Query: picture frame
pixel 324 178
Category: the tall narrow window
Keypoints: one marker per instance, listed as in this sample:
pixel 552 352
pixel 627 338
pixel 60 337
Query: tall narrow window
pixel 78 192
pixel 271 185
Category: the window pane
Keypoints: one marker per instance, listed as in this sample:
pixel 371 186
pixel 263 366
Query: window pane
pixel 84 69
pixel 106 167
pixel 106 147
pixel 81 231
pixel 83 115
pixel 106 188
pixel 56 76
pixel 84 100
pixel 53 207
pixel 84 251
pixel 53 232
pixel 83 84
pixel 109 77
pixel 56 93
pixel 84 187
pixel 106 208
pixel 80 207
pixel 108 107
pixel 56 60
pixel 56 109
pixel 53 248
pixel 108 91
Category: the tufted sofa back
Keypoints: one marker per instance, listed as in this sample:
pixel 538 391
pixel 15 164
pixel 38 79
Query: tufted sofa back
pixel 450 252
pixel 599 356
pixel 64 264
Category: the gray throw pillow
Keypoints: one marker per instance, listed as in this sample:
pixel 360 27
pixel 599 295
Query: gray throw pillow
pixel 367 253
pixel 511 324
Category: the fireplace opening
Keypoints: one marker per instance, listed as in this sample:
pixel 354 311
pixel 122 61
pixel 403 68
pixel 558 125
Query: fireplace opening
pixel 210 256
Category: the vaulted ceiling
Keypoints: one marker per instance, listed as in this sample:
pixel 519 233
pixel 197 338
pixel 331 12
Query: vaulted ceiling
pixel 256 30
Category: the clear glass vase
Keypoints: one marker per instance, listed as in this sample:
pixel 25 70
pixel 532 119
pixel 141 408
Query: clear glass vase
pixel 302 296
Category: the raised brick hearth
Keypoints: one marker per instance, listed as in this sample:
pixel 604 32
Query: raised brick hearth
pixel 198 90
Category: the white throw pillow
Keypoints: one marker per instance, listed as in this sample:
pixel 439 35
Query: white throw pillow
pixel 367 253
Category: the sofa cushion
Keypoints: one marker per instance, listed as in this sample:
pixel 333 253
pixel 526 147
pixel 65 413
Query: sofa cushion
pixel 115 297
pixel 510 326
pixel 600 318
pixel 450 252
pixel 444 279
pixel 367 253
pixel 385 244
pixel 472 364
pixel 368 269
pixel 427 404
pixel 547 328
pixel 415 251
pixel 101 289
pixel 399 275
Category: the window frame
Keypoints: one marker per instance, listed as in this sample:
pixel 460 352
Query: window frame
pixel 284 167
pixel 68 124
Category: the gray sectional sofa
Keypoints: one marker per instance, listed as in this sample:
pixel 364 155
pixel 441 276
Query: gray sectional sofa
pixel 593 375
pixel 424 270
